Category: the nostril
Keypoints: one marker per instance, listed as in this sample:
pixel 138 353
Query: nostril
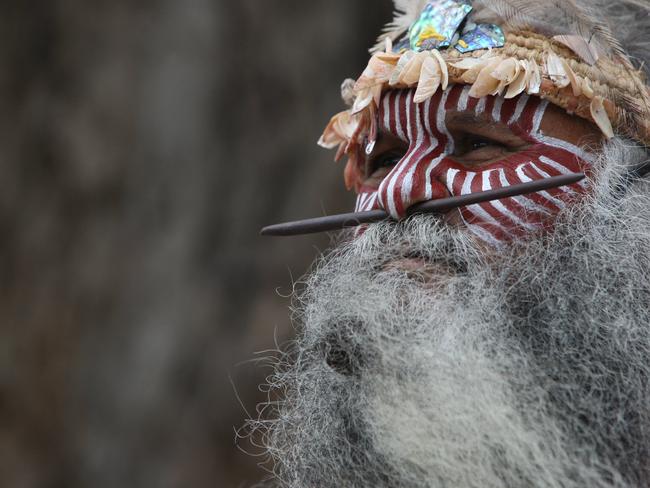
pixel 342 355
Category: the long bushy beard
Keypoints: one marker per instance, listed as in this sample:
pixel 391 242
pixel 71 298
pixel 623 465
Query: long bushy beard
pixel 522 367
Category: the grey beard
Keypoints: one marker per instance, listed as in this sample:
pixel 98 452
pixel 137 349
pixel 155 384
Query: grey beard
pixel 523 367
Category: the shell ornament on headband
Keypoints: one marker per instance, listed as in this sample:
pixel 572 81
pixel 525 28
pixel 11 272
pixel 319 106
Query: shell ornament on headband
pixel 558 51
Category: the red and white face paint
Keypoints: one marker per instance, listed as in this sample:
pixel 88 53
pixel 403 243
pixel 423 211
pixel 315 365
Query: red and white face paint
pixel 428 171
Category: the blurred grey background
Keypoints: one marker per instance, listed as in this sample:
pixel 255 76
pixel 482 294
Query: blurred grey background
pixel 143 144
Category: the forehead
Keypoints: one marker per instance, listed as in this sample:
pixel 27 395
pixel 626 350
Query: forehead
pixel 400 115
pixel 455 108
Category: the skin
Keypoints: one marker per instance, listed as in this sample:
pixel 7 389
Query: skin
pixel 500 140
pixel 479 143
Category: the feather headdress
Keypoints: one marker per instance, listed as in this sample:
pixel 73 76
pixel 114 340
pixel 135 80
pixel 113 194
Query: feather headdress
pixel 566 51
pixel 406 12
pixel 576 21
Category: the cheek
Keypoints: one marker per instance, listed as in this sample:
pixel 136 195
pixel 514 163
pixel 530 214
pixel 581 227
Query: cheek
pixel 500 221
pixel 565 160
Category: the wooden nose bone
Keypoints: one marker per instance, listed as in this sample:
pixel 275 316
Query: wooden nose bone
pixel 443 205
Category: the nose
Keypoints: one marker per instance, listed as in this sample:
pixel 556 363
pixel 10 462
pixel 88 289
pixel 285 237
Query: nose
pixel 342 354
pixel 416 178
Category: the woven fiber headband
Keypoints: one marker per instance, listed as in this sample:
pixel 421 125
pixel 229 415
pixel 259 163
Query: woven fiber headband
pixel 594 80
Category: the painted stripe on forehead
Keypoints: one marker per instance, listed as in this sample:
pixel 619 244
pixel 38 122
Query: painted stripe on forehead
pixel 480 106
pixel 463 99
pixel 386 111
pixel 441 123
pixel 392 101
pixel 519 109
pixel 417 145
pixel 508 108
pixel 400 115
pixel 387 187
pixel 438 108
pixel 392 193
pixel 526 123
pixel 453 95
pixel 472 103
pixel 405 183
pixel 431 153
pixel 496 109
pixel 489 104
pixel 411 117
pixel 539 115
pixel 412 181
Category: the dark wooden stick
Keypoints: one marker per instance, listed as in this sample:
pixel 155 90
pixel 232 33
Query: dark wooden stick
pixel 337 222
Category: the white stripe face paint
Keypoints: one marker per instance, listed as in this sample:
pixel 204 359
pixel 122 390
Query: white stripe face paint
pixel 544 174
pixel 524 201
pixel 501 208
pixel 398 114
pixel 521 105
pixel 407 186
pixel 524 178
pixel 539 115
pixel 496 110
pixel 480 106
pixel 428 170
pixel 561 169
pixel 463 99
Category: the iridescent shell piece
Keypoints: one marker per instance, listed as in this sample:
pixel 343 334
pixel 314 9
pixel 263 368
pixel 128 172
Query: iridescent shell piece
pixel 481 36
pixel 438 24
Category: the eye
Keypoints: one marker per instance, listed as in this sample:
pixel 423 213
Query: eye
pixel 479 144
pixel 475 149
pixel 388 151
pixel 383 162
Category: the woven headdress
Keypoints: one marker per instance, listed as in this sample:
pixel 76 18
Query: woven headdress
pixel 560 50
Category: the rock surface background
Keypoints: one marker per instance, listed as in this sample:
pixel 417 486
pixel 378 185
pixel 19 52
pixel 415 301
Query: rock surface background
pixel 142 146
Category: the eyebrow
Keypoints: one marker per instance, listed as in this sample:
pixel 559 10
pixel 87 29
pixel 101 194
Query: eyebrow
pixel 471 120
pixel 473 123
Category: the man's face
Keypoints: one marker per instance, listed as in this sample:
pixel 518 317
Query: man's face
pixel 523 367
pixel 453 144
